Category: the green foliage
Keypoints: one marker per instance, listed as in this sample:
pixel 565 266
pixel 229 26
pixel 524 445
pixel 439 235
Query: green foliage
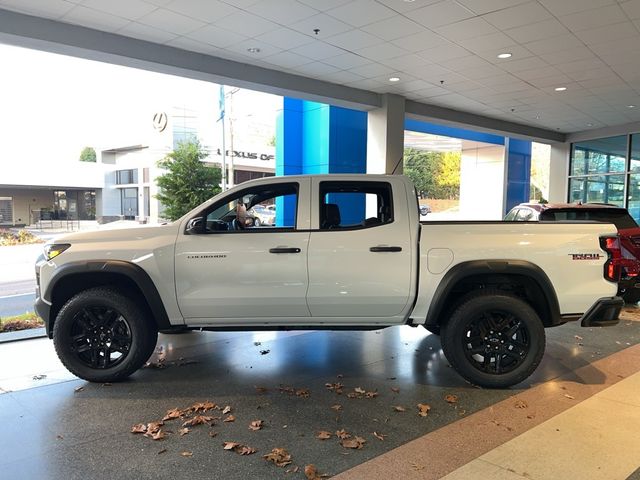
pixel 435 174
pixel 88 154
pixel 188 182
pixel 20 322
pixel 22 237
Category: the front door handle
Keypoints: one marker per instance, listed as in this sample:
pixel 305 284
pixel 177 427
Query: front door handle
pixel 384 248
pixel 284 250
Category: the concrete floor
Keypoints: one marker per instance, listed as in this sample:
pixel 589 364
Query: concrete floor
pixel 58 427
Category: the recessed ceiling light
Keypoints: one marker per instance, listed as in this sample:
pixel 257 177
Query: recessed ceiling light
pixel 253 50
pixel 560 89
pixel 504 55
pixel 631 106
pixel 589 124
pixel 409 1
pixel 394 79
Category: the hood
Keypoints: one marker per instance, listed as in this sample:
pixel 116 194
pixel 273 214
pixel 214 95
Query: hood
pixel 117 232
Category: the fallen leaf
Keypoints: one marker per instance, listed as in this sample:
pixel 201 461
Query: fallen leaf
pixel 399 408
pixel 78 389
pixel 255 425
pixel 356 442
pixel 359 390
pixel 164 450
pixel 417 466
pixel 171 414
pixel 451 399
pixel 230 418
pixel 245 450
pixel 279 456
pixel 578 337
pixel 342 434
pixel 323 435
pixel 292 470
pixel 187 454
pixel 520 404
pixel 337 407
pixel 423 409
pixel 311 472
pixel 200 407
pixel 262 390
pixel 395 389
pixel 569 396
pixel 370 394
pixel 197 420
pixel 379 436
pixel 303 392
pixel 159 435
pixel 334 387
pixel 226 409
pixel 183 431
pixel 212 433
pixel 139 428
pixel 230 445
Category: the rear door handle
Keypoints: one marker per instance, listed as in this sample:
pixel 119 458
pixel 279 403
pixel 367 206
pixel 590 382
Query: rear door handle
pixel 284 250
pixel 381 248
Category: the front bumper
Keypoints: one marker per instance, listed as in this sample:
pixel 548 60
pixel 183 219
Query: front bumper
pixel 604 313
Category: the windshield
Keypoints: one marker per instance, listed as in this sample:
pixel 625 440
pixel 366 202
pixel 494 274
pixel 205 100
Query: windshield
pixel 619 217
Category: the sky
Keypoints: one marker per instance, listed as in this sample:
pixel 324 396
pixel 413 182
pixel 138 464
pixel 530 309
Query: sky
pixel 52 106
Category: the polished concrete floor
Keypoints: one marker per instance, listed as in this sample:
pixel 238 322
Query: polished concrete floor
pixel 56 426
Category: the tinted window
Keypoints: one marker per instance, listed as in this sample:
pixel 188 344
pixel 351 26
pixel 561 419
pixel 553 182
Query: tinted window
pixel 354 204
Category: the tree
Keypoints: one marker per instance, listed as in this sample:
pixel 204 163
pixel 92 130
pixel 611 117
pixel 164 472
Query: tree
pixel 188 181
pixel 449 175
pixel 88 154
pixel 435 174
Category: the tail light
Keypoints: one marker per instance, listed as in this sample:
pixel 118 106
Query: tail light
pixel 613 265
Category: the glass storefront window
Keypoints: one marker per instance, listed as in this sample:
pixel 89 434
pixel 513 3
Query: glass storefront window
pixel 598 189
pixel 602 155
pixel 635 152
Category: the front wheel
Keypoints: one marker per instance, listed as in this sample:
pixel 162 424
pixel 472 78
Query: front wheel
pixel 493 339
pixel 101 335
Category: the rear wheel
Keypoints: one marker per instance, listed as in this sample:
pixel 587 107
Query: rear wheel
pixel 631 296
pixel 101 335
pixel 493 339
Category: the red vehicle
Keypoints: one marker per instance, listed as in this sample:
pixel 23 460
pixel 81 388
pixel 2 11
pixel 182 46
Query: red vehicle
pixel 628 230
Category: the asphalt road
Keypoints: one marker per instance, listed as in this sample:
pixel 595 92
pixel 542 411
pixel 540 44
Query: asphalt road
pixel 17 298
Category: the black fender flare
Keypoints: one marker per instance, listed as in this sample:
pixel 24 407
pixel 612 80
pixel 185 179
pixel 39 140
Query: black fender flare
pixel 133 272
pixel 493 267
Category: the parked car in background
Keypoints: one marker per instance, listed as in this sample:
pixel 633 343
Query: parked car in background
pixel 424 209
pixel 263 215
pixel 628 230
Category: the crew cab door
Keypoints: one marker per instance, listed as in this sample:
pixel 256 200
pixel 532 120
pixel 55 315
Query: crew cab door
pixel 226 270
pixel 360 250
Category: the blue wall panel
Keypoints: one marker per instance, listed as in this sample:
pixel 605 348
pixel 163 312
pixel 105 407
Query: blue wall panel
pixel 424 127
pixel 518 172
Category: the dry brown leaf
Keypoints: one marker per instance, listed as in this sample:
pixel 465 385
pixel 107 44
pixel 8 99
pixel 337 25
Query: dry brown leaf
pixel 571 397
pixel 379 436
pixel 230 418
pixel 197 420
pixel 520 404
pixel 355 442
pixel 255 425
pixel 399 408
pixel 183 431
pixel 359 390
pixel 451 399
pixel 334 387
pixel 279 456
pixel 311 472
pixel 262 390
pixel 342 434
pixel 226 409
pixel 423 409
pixel 323 435
pixel 395 389
pixel 337 407
pixel 370 394
pixel 139 428
pixel 292 470
pixel 187 454
pixel 416 466
pixel 159 435
pixel 303 392
pixel 230 445
pixel 202 406
pixel 171 414
pixel 212 433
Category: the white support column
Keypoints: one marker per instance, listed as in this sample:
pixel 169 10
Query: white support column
pixel 385 136
pixel 558 172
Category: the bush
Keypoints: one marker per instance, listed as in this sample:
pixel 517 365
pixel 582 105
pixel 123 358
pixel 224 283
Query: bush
pixel 23 237
pixel 20 322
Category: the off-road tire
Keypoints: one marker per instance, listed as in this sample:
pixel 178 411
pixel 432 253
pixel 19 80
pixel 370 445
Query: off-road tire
pixel 94 324
pixel 631 296
pixel 491 324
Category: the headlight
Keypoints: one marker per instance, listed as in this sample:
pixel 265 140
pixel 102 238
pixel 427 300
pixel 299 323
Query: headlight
pixel 53 250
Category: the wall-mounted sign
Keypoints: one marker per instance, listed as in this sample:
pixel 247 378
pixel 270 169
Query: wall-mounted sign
pixel 250 155
pixel 160 121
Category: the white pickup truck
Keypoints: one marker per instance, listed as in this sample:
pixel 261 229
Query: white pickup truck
pixel 344 252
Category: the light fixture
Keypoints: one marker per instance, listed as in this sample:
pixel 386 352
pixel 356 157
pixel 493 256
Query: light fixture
pixel 394 79
pixel 253 50
pixel 504 55
pixel 631 106
pixel 560 89
pixel 589 124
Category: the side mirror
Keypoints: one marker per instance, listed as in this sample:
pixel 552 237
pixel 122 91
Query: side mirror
pixel 195 226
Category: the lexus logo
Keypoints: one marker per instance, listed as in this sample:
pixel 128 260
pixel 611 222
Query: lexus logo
pixel 160 121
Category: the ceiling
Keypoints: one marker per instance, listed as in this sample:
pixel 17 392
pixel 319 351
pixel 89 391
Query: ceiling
pixel 444 52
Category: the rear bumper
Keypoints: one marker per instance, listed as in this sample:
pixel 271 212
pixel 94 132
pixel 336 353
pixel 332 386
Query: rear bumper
pixel 604 313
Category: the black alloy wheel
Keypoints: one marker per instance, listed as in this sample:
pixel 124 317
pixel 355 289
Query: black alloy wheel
pixel 493 339
pixel 103 335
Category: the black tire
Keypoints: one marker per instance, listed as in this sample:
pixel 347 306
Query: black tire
pixel 101 335
pixel 256 222
pixel 631 296
pixel 493 339
pixel 433 329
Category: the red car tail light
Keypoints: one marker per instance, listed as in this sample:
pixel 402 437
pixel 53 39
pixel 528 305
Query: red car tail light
pixel 615 261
